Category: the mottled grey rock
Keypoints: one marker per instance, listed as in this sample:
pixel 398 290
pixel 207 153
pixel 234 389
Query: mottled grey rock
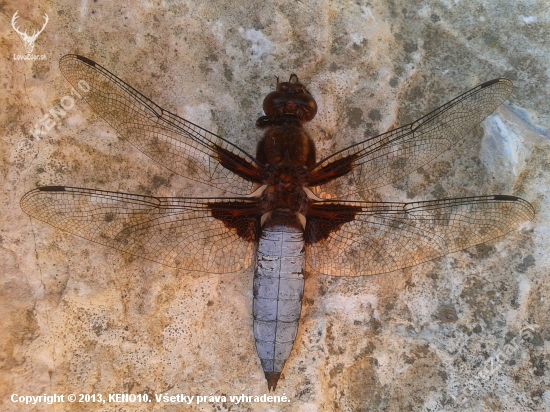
pixel 80 318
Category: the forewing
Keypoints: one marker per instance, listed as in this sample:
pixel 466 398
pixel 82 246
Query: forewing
pixel 176 232
pixel 175 143
pixel 390 156
pixel 364 238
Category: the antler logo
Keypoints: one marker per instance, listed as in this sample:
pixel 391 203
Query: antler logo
pixel 29 40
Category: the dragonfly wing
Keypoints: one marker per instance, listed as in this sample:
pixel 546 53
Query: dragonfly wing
pixel 390 156
pixel 366 238
pixel 177 144
pixel 214 235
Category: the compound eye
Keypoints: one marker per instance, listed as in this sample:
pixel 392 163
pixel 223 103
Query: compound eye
pixel 273 101
pixel 307 105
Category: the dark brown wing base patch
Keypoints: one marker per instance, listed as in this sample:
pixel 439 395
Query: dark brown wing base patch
pixel 332 171
pixel 325 218
pixel 242 217
pixel 238 165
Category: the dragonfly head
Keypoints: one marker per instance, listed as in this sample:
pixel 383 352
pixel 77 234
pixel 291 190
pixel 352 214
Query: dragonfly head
pixel 290 99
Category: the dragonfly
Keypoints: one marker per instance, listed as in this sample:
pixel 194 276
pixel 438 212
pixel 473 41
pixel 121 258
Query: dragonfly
pixel 285 212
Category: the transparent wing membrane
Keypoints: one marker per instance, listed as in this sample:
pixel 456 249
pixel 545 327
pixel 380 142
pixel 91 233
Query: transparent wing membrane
pixel 383 237
pixel 175 143
pixel 391 156
pixel 176 232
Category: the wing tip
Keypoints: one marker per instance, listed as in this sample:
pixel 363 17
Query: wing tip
pixel 26 201
pixel 518 200
pixel 497 80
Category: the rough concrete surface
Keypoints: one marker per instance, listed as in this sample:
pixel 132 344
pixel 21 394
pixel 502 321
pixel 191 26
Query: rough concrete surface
pixel 469 331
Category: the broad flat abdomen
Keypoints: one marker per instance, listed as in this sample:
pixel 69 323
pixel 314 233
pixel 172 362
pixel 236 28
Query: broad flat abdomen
pixel 278 291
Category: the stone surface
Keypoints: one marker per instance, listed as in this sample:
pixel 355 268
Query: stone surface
pixel 443 336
